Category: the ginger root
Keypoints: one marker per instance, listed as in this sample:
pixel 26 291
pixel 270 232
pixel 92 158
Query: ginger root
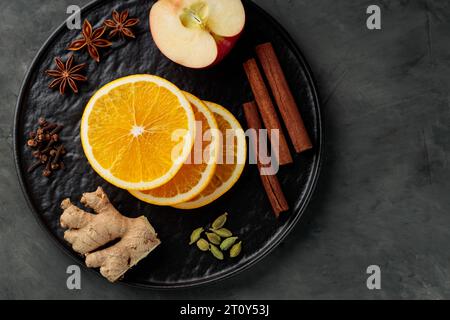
pixel 88 232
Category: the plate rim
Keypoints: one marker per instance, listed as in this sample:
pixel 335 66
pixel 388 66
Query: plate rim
pixel 311 183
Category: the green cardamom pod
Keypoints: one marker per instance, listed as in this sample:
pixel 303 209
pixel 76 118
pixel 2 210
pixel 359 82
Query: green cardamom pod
pixel 213 238
pixel 223 232
pixel 227 243
pixel 216 252
pixel 220 221
pixel 236 250
pixel 203 245
pixel 196 235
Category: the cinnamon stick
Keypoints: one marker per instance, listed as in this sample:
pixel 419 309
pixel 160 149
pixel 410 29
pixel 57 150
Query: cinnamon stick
pixel 267 109
pixel 283 97
pixel 270 183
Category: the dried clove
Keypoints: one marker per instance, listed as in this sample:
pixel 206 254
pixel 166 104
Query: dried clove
pixel 34 166
pixel 49 146
pixel 48 169
pixel 55 163
pixel 32 143
pixel 42 122
pixel 46 146
pixel 36 154
pixel 49 127
pixel 43 158
pixel 57 129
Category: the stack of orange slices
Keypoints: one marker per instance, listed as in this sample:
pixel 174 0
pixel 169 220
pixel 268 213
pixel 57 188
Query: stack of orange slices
pixel 165 146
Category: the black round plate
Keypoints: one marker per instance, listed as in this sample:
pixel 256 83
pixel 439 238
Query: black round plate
pixel 174 264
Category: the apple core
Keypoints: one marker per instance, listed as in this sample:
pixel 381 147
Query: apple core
pixel 195 16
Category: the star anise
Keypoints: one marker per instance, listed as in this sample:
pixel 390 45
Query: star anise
pixel 66 74
pixel 92 40
pixel 121 24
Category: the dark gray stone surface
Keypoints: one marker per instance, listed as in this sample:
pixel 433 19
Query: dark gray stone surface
pixel 383 197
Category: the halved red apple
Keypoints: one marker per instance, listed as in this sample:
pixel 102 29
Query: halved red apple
pixel 196 33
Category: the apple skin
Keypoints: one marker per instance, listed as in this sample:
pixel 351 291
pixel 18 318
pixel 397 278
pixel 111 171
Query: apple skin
pixel 224 47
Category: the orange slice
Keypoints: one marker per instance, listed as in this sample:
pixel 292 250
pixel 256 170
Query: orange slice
pixel 231 159
pixel 195 175
pixel 137 131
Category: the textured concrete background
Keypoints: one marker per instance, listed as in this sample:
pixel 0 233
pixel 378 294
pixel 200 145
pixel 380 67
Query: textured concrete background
pixel 383 197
